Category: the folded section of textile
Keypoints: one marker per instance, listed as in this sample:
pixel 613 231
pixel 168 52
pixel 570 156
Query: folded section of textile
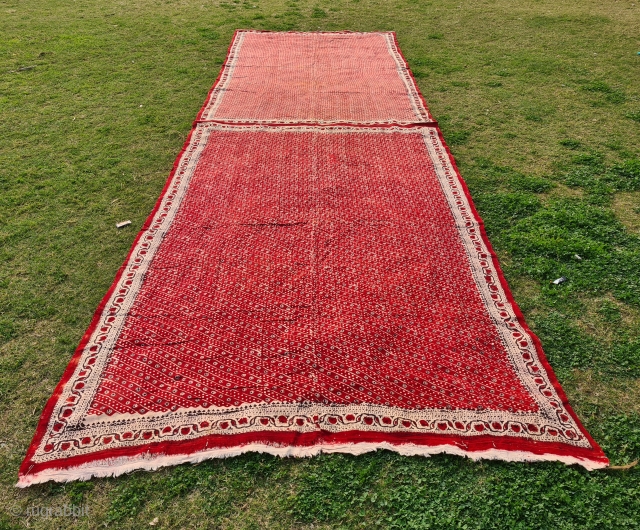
pixel 315 78
pixel 302 289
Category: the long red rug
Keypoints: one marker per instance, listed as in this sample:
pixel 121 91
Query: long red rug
pixel 314 277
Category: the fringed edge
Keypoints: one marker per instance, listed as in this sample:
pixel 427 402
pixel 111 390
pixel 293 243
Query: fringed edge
pixel 113 467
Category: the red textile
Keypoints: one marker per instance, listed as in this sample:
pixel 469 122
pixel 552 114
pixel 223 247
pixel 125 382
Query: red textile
pixel 315 78
pixel 306 287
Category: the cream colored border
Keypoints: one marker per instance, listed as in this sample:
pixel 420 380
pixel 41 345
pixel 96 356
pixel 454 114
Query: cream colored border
pixel 114 467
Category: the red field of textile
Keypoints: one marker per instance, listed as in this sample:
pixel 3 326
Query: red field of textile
pixel 313 278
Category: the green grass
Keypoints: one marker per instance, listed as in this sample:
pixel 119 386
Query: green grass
pixel 540 103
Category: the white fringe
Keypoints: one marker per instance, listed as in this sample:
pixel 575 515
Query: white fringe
pixel 113 467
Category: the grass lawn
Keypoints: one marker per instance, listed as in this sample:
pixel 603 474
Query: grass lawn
pixel 540 103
